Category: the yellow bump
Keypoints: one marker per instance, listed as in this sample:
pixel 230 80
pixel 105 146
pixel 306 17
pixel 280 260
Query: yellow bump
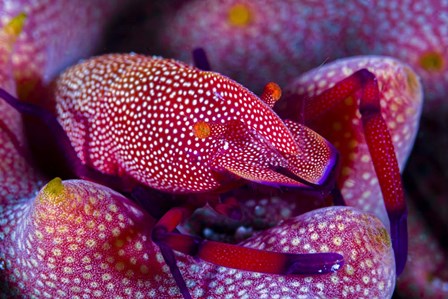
pixel 380 237
pixel 412 80
pixel 53 192
pixel 119 243
pixel 239 15
pixel 15 26
pixel 349 101
pixel 353 143
pixel 201 129
pixel 346 171
pixel 119 266
pixel 144 269
pixel 432 61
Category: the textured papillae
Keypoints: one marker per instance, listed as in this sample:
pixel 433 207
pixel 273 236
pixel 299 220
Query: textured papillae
pixel 78 238
pixel 17 178
pixel 55 34
pixel 277 40
pixel 8 37
pixel 369 269
pixel 401 102
pixel 176 128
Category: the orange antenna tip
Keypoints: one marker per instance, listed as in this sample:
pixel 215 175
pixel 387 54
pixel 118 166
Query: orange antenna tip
pixel 201 129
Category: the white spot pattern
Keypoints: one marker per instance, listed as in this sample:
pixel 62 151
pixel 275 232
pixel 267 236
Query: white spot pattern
pixel 134 115
pixel 115 265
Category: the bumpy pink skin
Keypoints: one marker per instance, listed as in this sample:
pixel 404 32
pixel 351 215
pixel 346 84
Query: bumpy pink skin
pixel 80 238
pixel 284 38
pixel 8 40
pixel 401 102
pixel 56 34
pixel 17 178
pixel 426 272
pixel 369 268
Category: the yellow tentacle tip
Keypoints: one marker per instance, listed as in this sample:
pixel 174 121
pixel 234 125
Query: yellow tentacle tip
pixel 412 81
pixel 381 237
pixel 53 192
pixel 239 15
pixel 432 62
pixel 15 26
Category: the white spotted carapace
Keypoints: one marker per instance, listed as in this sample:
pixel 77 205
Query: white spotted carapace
pixel 176 128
